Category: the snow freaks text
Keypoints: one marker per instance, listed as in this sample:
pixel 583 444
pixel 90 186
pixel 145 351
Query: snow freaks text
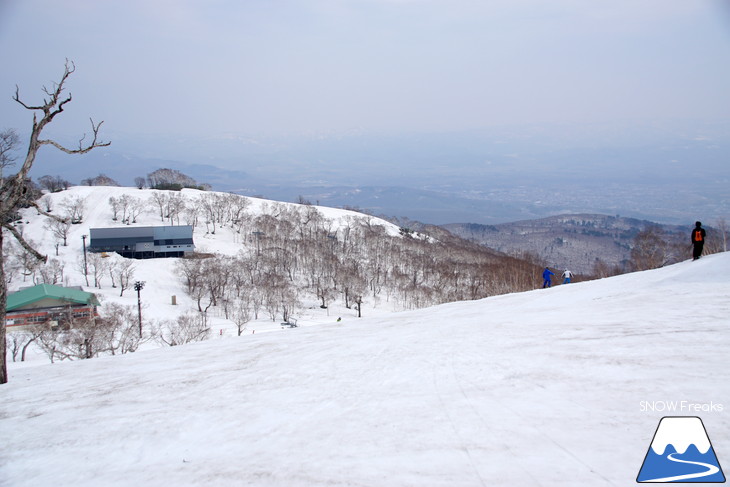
pixel 683 407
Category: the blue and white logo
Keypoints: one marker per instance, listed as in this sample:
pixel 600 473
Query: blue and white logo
pixel 681 452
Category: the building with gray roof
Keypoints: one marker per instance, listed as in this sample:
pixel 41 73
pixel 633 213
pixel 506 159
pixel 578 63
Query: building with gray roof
pixel 143 242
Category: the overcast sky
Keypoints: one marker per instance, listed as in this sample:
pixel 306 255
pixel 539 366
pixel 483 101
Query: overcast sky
pixel 302 66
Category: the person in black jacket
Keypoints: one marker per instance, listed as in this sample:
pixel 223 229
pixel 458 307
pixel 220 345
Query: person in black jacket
pixel 698 240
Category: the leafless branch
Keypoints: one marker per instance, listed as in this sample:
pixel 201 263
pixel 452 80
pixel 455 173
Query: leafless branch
pixel 55 94
pixel 35 205
pixel 81 149
pixel 52 106
pixel 24 244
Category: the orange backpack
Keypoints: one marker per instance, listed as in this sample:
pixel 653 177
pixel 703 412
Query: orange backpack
pixel 698 235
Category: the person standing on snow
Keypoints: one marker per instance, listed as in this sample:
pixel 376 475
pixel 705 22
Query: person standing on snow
pixel 567 276
pixel 698 240
pixel 546 281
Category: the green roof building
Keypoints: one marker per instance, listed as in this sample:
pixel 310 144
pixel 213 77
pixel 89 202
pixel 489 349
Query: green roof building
pixel 46 302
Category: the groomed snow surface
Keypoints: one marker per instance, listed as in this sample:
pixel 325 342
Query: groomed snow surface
pixel 537 388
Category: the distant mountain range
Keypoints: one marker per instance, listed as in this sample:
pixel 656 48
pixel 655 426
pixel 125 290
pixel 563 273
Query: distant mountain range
pixel 575 242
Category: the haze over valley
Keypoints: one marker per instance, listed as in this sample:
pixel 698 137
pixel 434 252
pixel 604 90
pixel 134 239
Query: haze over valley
pixel 671 175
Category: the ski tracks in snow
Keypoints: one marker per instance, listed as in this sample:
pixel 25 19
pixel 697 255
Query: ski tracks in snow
pixel 479 419
pixel 480 441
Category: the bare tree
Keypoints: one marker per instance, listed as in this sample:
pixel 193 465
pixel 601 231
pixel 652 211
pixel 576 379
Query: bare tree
pixel 190 327
pixel 75 207
pixel 210 205
pixel 59 229
pixel 10 261
pixel 121 332
pixel 47 202
pixel 650 250
pixel 129 206
pixel 53 184
pixel 122 273
pixel 52 272
pixel 49 342
pixel 9 142
pixel 97 266
pixel 115 206
pixel 237 206
pixel 12 193
pixel 89 336
pixel 136 208
pixel 242 315
pixel 191 212
pixel 28 260
pixel 175 206
pixel 19 341
pixel 161 198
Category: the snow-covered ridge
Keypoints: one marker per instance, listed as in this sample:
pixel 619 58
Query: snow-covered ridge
pixel 160 275
pixel 98 214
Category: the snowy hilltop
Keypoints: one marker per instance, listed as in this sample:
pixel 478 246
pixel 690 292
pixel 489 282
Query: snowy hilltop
pixel 258 265
pixel 535 388
pixel 224 225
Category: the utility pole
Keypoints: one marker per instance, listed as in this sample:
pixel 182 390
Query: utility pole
pixel 86 269
pixel 138 285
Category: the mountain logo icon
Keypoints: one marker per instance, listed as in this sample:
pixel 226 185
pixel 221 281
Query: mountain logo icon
pixel 681 452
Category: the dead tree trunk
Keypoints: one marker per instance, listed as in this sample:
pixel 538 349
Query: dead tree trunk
pixel 14 188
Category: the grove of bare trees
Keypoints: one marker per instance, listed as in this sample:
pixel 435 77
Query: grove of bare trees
pixel 652 249
pixel 100 180
pixel 53 184
pixel 113 333
pixel 172 179
pixel 291 253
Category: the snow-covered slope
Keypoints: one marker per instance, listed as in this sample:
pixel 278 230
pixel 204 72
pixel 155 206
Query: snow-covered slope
pixel 99 214
pixel 159 274
pixel 546 388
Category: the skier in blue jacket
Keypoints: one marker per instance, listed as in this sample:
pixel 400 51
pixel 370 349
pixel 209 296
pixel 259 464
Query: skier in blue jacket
pixel 546 281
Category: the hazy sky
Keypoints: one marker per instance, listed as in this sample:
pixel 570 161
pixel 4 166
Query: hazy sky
pixel 301 66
